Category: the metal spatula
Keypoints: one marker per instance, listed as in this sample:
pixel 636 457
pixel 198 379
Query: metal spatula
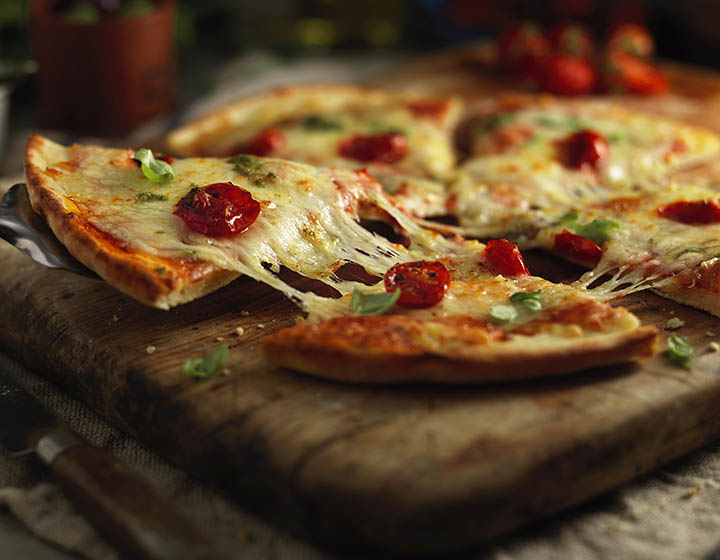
pixel 24 229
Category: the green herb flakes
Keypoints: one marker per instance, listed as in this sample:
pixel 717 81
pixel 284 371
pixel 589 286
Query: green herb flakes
pixel 496 121
pixel 150 197
pixel 320 123
pixel 372 304
pixel 155 170
pixel 246 165
pixel 680 350
pixel 208 365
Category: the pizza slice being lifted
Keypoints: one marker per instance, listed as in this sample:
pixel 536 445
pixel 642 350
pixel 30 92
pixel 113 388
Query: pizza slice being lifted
pixel 208 220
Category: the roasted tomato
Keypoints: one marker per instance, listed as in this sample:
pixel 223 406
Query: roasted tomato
pixel 218 210
pixel 265 142
pixel 622 72
pixel 521 49
pixel 571 38
pixel 503 257
pixel 692 211
pixel 584 148
pixel 577 248
pixel 387 147
pixel 630 38
pixel 422 283
pixel 564 74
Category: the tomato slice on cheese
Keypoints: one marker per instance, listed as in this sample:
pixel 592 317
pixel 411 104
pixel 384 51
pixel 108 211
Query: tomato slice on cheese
pixel 218 210
pixel 265 142
pixel 692 211
pixel 577 247
pixel 387 147
pixel 421 283
pixel 504 258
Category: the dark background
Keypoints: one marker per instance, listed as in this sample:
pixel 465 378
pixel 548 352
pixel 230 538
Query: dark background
pixel 209 33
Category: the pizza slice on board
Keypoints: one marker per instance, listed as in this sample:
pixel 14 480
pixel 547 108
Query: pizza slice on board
pixel 405 140
pixel 531 162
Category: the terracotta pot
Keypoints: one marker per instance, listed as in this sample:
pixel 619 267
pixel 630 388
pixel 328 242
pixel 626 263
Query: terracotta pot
pixel 103 78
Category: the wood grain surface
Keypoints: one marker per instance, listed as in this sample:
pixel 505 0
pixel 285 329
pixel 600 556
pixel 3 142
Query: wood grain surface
pixel 417 469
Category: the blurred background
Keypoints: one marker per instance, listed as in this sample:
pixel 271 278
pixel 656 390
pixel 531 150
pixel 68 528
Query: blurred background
pixel 232 41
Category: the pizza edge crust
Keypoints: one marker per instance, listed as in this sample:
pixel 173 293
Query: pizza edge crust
pixel 184 140
pixel 493 363
pixel 133 272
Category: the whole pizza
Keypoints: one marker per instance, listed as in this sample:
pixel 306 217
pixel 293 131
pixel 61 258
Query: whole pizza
pixel 397 223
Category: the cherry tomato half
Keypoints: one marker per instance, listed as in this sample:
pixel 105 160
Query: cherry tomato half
pixel 218 210
pixel 521 48
pixel 622 72
pixel 387 147
pixel 564 74
pixel 630 38
pixel 422 283
pixel 265 142
pixel 692 212
pixel 576 247
pixel 504 258
pixel 584 148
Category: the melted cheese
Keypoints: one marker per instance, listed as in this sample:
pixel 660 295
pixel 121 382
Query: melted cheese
pixel 524 185
pixel 309 220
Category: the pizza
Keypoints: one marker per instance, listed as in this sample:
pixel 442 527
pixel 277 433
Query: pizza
pixel 532 161
pixel 404 140
pixel 429 307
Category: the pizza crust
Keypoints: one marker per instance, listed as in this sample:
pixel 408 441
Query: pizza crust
pixel 155 281
pixel 356 349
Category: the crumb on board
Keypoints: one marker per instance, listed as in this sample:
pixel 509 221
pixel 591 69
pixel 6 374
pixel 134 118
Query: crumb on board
pixel 116 318
pixel 244 313
pixel 226 371
pixel 713 347
pixel 219 339
pixel 710 334
pixel 674 323
pixel 150 349
pixel 260 326
pixel 239 331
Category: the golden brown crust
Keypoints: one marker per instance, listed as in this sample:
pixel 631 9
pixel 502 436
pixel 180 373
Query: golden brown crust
pixel 257 111
pixel 155 281
pixel 397 349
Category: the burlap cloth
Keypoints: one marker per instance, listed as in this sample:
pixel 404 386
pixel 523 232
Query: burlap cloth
pixel 672 513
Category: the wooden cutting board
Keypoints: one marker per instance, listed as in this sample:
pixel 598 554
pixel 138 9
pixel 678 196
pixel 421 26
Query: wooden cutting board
pixel 415 469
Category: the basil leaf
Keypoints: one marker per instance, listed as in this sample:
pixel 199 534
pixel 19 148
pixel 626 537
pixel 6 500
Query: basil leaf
pixel 496 121
pixel 372 304
pixel 320 122
pixel 680 350
pixel 597 231
pixel 208 365
pixel 571 123
pixel 155 170
pixel 149 197
pixel 529 300
pixel 383 128
pixel 502 313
